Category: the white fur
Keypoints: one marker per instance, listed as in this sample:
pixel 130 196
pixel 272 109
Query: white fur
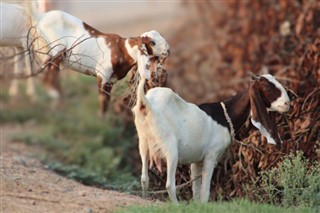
pixel 263 131
pixel 15 23
pixel 179 132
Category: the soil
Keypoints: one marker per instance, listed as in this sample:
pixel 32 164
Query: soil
pixel 27 186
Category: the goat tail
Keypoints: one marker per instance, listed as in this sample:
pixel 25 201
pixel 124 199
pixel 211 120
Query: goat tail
pixel 142 101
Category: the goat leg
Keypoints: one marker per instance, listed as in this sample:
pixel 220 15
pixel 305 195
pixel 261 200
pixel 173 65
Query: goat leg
pixel 104 96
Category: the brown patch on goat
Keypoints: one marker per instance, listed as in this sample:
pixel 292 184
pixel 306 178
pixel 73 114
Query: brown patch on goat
pixel 269 92
pixel 120 59
pixel 92 31
pixel 139 41
pixel 148 43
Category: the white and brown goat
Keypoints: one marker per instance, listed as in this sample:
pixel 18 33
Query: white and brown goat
pixel 86 50
pixel 172 129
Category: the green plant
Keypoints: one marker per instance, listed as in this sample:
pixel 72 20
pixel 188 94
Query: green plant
pixel 294 182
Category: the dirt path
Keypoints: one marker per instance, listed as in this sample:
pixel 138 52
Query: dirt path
pixel 27 186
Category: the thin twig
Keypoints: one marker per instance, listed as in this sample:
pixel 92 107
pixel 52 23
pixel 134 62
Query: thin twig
pixel 177 187
pixel 29 197
pixel 305 100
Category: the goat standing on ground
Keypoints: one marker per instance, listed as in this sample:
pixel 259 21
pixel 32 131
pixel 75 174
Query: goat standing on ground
pixel 106 56
pixel 180 132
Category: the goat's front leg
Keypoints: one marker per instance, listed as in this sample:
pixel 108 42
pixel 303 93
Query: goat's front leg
pixel 172 162
pixel 196 169
pixel 208 167
pixel 104 90
pixel 51 79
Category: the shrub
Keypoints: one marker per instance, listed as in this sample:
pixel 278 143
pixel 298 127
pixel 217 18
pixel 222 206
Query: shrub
pixel 295 182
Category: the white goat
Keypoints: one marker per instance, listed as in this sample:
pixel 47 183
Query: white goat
pixel 84 49
pixel 16 22
pixel 180 132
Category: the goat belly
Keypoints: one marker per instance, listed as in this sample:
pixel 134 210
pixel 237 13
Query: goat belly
pixel 187 156
pixel 91 56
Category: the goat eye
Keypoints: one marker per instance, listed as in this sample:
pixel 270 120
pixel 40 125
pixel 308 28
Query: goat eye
pixel 152 43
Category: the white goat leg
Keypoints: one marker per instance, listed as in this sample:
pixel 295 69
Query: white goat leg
pixel 172 163
pixel 196 169
pixel 144 152
pixel 30 81
pixel 208 167
pixel 18 66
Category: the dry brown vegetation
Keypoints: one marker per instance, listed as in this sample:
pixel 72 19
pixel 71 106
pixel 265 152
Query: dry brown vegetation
pixel 211 56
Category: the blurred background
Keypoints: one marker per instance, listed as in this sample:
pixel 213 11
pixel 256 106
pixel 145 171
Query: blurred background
pixel 214 45
pixel 126 18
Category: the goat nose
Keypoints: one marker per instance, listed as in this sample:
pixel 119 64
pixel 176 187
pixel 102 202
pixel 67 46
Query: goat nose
pixel 168 52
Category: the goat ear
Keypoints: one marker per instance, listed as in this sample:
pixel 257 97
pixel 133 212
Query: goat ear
pixel 143 62
pixel 260 117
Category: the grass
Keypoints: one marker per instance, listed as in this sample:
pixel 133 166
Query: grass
pixel 235 206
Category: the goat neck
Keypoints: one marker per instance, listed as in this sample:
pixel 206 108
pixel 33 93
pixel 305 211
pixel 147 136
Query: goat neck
pixel 238 108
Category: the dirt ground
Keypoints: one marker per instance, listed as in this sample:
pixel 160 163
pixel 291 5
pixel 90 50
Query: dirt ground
pixel 27 186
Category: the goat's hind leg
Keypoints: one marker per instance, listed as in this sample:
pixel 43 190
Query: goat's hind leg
pixel 172 163
pixel 18 66
pixel 144 154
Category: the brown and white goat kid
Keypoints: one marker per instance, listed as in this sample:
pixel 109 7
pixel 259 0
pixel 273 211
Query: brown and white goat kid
pixel 172 129
pixel 86 50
